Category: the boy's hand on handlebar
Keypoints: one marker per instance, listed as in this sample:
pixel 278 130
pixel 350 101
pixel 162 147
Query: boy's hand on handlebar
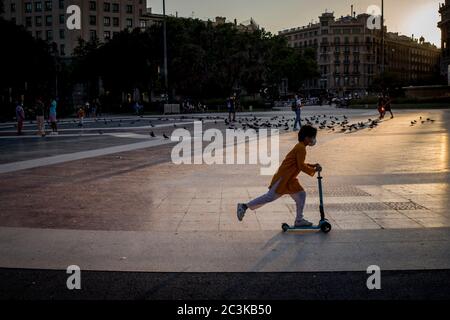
pixel 318 167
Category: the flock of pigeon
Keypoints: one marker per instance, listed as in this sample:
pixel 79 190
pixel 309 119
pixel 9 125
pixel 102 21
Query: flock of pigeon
pixel 338 124
pixel 421 121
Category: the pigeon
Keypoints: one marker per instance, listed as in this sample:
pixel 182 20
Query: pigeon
pixel 152 134
pixel 165 136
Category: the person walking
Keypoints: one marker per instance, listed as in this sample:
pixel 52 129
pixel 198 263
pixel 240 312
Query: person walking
pixel 80 115
pixel 40 117
pixel 20 116
pixel 52 116
pixel 231 106
pixel 387 105
pixel 298 112
pixel 381 104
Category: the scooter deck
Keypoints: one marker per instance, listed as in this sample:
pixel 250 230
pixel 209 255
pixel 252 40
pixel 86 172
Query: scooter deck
pixel 293 228
pixel 323 226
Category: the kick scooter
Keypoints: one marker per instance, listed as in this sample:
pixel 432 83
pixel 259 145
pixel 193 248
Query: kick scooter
pixel 323 225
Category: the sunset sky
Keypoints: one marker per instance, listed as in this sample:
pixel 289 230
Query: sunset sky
pixel 418 17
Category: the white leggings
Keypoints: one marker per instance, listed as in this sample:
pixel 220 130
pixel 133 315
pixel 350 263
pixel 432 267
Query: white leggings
pixel 271 195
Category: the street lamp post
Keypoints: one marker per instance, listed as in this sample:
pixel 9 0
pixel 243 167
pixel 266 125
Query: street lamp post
pixel 166 79
pixel 382 43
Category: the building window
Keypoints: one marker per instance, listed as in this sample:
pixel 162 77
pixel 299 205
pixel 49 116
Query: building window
pixel 13 7
pixel 28 7
pixel 49 35
pixel 62 34
pixel 13 20
pixel 48 5
pixel 61 4
pixel 38 6
pixel 92 5
pixel 48 21
pixel 107 35
pixel 106 21
pixel 62 49
pixel 129 23
pixel 39 34
pixel 143 23
pixel 129 8
pixel 92 35
pixel 115 7
pixel 62 19
pixel 28 22
pixel 38 21
pixel 115 33
pixel 115 22
pixel 92 20
pixel 106 7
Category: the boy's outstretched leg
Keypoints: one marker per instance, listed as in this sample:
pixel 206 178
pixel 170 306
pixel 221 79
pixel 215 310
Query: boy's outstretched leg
pixel 270 196
pixel 300 199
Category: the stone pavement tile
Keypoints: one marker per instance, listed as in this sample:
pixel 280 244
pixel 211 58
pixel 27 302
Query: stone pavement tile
pixel 157 216
pixel 356 224
pixel 413 214
pixel 436 205
pixel 397 223
pixel 274 225
pixel 234 201
pixel 198 226
pixel 403 189
pixel 203 208
pixel 208 195
pixel 235 225
pixel 205 202
pixel 434 222
pixel 346 215
pixel 161 225
pixel 203 216
pixel 175 196
pixel 234 192
pixel 378 191
pixel 384 214
pixel 421 198
pixel 175 207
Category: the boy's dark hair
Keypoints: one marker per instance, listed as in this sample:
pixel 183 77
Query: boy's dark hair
pixel 307 131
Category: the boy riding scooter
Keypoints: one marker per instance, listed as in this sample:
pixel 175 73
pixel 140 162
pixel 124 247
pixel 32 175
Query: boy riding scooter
pixel 285 180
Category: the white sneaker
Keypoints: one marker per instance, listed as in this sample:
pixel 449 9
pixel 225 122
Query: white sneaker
pixel 303 223
pixel 241 208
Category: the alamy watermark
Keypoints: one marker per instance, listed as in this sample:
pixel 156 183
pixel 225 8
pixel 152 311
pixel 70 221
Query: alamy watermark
pixel 74 280
pixel 374 281
pixel 237 147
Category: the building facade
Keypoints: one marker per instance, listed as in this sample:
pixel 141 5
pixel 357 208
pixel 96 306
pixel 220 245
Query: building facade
pixel 46 19
pixel 349 54
pixel 444 25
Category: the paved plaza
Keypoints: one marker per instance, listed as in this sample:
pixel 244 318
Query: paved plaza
pixel 107 197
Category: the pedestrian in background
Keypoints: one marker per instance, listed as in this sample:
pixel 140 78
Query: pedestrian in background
pixel 231 106
pixel 298 113
pixel 20 116
pixel 387 105
pixel 40 116
pixel 52 116
pixel 80 115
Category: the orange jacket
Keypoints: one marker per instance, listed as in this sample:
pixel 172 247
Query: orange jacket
pixel 293 164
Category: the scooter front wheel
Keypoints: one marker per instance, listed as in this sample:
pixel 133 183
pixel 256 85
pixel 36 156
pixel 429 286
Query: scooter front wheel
pixel 285 227
pixel 325 227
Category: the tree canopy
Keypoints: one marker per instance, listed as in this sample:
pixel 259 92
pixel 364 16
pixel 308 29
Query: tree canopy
pixel 204 60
